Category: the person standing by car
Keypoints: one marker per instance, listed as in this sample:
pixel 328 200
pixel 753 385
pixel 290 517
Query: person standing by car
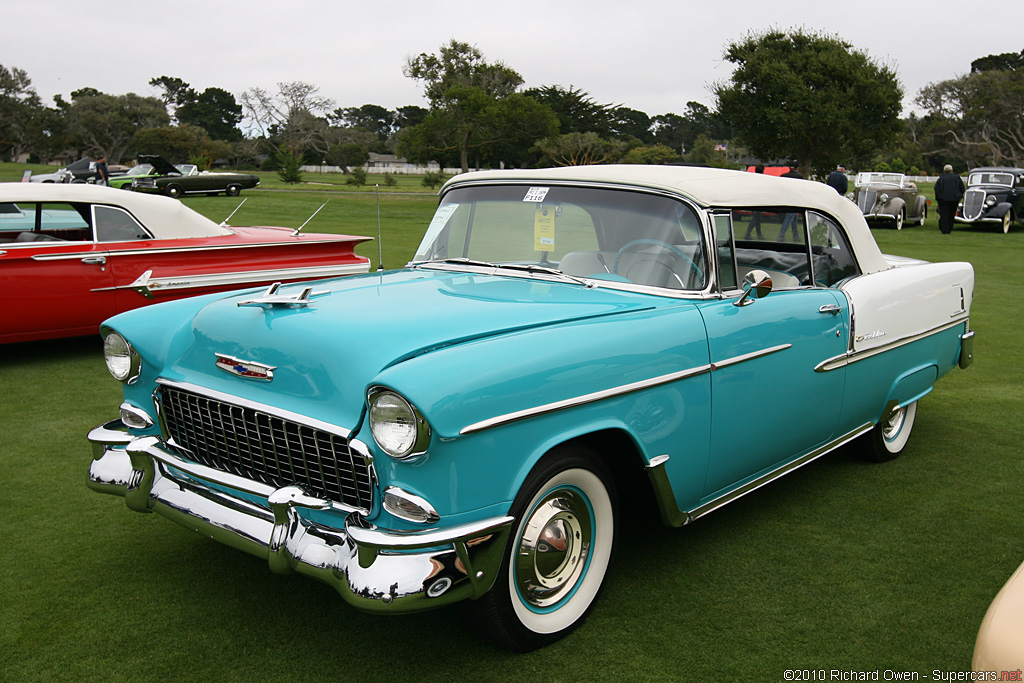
pixel 790 221
pixel 949 188
pixel 101 171
pixel 755 219
pixel 837 180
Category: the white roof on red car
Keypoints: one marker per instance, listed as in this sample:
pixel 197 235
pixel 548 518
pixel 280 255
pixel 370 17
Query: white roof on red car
pixel 166 218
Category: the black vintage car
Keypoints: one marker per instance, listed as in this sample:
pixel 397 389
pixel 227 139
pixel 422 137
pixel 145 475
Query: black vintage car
pixel 994 194
pixel 174 182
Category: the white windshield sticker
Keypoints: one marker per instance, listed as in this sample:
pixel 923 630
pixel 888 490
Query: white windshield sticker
pixel 536 194
pixel 441 216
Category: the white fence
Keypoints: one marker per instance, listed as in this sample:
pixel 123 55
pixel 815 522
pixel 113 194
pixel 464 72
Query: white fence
pixel 398 169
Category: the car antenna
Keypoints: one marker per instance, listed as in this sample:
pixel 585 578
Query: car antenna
pixel 225 221
pixel 309 219
pixel 380 247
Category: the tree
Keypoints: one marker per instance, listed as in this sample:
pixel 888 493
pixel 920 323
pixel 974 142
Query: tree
pixel 105 124
pixel 214 110
pixel 581 149
pixel 650 154
pixel 577 112
pixel 179 144
pixel 631 123
pixel 978 118
pixel 20 108
pixel 681 131
pixel 474 104
pixel 372 118
pixel 808 97
pixel 269 114
pixel 1008 61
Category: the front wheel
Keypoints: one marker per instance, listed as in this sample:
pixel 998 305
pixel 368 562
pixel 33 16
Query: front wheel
pixel 557 556
pixel 899 219
pixel 174 191
pixel 233 190
pixel 889 437
pixel 1007 219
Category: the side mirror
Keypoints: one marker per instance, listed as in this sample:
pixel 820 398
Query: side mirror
pixel 757 284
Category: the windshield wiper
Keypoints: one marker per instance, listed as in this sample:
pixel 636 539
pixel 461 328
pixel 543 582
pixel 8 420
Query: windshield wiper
pixel 525 267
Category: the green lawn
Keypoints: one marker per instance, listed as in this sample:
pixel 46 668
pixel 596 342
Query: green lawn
pixel 841 565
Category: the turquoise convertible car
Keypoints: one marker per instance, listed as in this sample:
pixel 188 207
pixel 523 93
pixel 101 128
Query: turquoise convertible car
pixel 564 344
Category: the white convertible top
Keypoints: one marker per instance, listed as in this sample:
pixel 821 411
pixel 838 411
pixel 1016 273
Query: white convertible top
pixel 713 187
pixel 166 218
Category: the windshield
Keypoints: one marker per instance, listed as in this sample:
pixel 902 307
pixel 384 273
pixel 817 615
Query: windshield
pixel 141 169
pixel 601 234
pixel 889 178
pixel 989 178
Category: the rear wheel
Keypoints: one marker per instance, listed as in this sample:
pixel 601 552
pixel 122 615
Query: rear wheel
pixel 557 556
pixel 889 437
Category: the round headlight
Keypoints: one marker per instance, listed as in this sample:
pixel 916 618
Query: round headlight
pixel 990 201
pixel 397 427
pixel 122 360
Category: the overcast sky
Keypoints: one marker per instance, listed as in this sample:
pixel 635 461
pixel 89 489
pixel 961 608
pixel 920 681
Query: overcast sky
pixel 651 55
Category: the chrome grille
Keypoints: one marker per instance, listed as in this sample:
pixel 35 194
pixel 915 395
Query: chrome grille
pixel 974 204
pixel 866 201
pixel 266 448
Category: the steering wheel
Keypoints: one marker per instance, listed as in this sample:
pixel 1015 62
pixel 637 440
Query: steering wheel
pixel 670 247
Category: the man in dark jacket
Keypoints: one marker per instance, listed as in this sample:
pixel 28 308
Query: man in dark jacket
pixel 837 180
pixel 949 188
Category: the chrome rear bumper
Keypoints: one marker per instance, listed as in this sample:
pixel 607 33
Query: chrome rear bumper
pixel 373 569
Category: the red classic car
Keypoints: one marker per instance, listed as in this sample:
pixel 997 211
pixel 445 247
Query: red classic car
pixel 73 255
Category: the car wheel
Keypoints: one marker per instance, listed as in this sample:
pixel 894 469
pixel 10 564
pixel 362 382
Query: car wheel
pixel 174 191
pixel 1007 219
pixel 233 190
pixel 924 215
pixel 557 555
pixel 900 218
pixel 889 437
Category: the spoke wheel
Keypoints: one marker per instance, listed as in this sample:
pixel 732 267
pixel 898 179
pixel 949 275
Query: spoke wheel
pixel 1006 222
pixel 557 556
pixel 900 218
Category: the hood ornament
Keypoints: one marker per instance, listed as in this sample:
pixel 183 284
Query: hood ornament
pixel 246 369
pixel 271 298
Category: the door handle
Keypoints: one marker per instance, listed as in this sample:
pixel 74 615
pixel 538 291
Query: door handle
pixel 97 260
pixel 830 308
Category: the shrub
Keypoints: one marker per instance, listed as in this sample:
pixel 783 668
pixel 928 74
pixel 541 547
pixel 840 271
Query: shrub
pixel 433 179
pixel 356 177
pixel 289 166
pixel 389 180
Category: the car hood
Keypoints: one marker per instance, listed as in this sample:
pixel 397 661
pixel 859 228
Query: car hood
pixel 160 165
pixel 326 354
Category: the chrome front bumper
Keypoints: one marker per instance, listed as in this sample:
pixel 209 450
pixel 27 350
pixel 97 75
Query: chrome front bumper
pixel 373 569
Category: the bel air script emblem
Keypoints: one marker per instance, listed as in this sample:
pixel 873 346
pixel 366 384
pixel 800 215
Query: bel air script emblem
pixel 245 368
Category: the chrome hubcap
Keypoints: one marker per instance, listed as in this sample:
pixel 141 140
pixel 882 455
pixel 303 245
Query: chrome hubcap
pixel 894 424
pixel 553 548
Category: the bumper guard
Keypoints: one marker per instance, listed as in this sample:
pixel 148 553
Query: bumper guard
pixel 374 569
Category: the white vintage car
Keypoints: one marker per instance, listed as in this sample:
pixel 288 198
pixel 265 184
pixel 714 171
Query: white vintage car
pixel 565 343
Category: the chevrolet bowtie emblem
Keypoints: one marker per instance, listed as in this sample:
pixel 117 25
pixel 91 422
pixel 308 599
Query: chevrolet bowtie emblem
pixel 245 368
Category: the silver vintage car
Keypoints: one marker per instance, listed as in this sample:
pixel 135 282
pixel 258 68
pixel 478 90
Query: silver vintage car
pixel 889 198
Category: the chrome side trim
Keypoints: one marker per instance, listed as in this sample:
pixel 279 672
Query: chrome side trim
pixel 617 391
pixel 582 400
pixel 145 283
pixel 718 365
pixel 673 516
pixel 174 250
pixel 853 356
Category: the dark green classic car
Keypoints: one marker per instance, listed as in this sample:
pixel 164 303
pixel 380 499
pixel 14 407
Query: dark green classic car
pixel 173 182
